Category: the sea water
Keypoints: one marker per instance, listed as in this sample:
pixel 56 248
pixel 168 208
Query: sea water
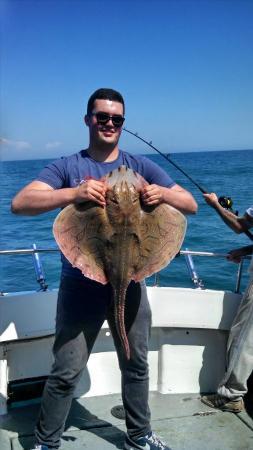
pixel 227 173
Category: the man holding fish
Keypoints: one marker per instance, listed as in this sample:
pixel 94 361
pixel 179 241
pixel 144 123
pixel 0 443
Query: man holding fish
pixel 123 219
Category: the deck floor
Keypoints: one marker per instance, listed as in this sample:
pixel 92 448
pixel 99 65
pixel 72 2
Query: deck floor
pixel 181 420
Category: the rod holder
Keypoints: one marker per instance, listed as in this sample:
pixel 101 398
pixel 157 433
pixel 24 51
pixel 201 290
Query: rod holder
pixel 39 270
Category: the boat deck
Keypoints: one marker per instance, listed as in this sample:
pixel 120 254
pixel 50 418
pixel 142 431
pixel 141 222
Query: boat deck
pixel 180 419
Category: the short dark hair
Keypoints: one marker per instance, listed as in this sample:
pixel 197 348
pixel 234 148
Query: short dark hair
pixel 104 94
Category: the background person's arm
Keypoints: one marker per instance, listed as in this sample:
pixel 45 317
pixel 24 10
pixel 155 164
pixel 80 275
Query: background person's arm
pixel 237 224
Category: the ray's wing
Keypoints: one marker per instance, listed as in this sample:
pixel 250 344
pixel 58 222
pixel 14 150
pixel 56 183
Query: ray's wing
pixel 81 231
pixel 161 235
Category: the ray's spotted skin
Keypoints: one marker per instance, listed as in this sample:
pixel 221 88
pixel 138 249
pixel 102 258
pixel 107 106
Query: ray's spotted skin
pixel 123 241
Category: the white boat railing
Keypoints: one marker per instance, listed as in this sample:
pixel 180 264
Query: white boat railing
pixel 188 254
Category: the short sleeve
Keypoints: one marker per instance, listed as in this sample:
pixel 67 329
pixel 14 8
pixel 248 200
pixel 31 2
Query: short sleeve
pixel 54 174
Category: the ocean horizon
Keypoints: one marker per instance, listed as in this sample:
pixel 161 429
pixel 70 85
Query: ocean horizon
pixel 149 153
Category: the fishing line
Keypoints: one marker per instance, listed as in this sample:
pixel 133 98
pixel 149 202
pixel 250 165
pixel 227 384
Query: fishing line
pixel 225 202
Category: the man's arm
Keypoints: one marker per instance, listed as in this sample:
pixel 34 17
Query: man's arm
pixel 237 224
pixel 175 196
pixel 38 197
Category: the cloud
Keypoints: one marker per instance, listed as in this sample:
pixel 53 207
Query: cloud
pixel 55 144
pixel 18 145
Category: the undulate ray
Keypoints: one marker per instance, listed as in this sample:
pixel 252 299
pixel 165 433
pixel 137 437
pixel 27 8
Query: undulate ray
pixel 122 242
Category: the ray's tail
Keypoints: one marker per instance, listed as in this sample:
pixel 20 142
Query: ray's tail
pixel 119 313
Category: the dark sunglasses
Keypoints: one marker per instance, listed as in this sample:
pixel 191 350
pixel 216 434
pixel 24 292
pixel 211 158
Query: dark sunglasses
pixel 103 118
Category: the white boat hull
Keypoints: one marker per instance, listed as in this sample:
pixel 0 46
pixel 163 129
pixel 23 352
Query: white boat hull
pixel 187 346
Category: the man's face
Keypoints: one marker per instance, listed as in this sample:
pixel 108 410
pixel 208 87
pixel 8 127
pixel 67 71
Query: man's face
pixel 104 133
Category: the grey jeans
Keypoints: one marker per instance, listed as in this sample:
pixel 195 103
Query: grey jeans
pixel 83 305
pixel 239 349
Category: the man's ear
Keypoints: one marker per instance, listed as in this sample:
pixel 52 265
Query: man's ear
pixel 86 120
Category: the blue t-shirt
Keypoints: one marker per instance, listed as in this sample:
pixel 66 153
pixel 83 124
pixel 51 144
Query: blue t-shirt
pixel 69 171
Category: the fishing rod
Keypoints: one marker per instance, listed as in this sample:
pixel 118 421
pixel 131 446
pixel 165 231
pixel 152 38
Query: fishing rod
pixel 204 191
pixel 225 202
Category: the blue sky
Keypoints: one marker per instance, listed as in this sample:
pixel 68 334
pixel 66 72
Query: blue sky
pixel 185 69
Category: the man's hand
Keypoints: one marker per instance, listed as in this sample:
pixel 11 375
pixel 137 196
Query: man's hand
pixel 91 190
pixel 152 194
pixel 237 254
pixel 176 196
pixel 211 199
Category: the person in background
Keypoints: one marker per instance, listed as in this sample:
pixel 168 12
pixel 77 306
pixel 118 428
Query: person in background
pixel 83 304
pixel 233 386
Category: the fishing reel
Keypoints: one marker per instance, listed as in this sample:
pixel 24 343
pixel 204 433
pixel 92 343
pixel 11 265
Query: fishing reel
pixel 227 203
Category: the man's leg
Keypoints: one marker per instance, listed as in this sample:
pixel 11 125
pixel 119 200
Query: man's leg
pixel 239 350
pixel 233 386
pixel 81 311
pixel 135 373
